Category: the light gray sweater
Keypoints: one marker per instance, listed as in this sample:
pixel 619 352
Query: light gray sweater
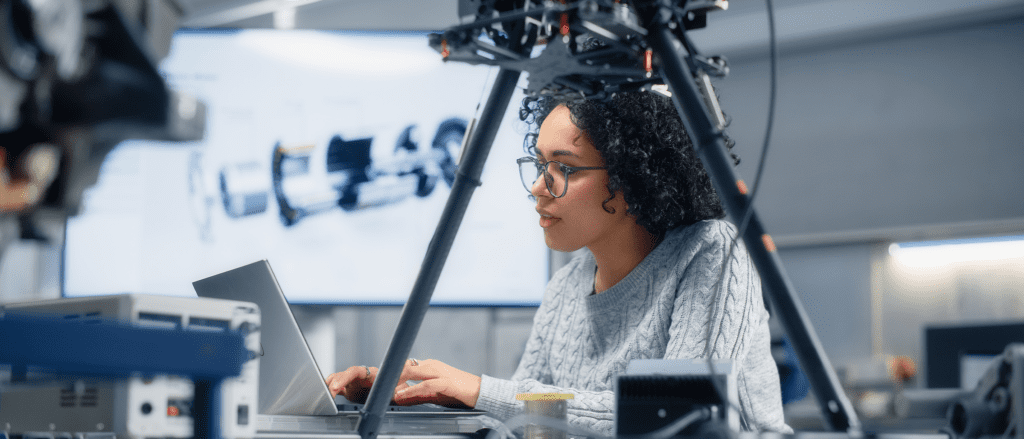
pixel 665 308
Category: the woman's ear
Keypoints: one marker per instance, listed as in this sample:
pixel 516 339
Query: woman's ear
pixel 616 203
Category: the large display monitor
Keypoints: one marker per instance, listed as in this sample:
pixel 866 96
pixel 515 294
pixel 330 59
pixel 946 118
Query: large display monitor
pixel 329 154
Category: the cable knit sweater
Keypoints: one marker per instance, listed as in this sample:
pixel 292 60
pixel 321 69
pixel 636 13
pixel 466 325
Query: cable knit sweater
pixel 664 308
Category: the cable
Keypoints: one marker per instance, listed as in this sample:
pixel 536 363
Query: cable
pixel 772 75
pixel 675 427
pixel 745 218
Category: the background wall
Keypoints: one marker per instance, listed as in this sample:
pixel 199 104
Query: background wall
pixel 899 132
pixel 904 130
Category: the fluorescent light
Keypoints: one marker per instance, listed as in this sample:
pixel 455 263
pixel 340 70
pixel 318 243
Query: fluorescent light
pixel 336 54
pixel 284 18
pixel 935 253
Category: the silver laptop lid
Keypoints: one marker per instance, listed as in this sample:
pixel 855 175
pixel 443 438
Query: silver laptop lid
pixel 290 381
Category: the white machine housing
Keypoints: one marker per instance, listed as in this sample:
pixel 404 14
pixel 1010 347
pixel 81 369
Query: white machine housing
pixel 139 407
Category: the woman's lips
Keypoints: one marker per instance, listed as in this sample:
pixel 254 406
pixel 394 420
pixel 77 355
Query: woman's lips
pixel 546 219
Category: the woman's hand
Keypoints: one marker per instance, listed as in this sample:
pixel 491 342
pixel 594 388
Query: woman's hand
pixel 439 384
pixel 352 383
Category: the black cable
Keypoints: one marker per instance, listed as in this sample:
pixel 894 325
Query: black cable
pixel 748 212
pixel 772 75
pixel 670 430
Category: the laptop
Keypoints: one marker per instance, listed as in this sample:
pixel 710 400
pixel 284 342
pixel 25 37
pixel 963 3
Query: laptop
pixel 290 380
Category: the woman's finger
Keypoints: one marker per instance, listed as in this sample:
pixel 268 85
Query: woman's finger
pixel 424 370
pixel 351 381
pixel 423 392
pixel 336 382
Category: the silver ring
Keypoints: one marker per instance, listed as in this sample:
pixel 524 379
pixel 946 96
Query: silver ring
pixel 367 372
pixel 414 361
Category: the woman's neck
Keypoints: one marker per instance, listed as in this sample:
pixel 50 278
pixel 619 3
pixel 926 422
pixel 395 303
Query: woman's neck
pixel 618 257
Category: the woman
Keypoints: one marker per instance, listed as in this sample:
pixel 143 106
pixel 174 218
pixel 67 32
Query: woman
pixel 620 178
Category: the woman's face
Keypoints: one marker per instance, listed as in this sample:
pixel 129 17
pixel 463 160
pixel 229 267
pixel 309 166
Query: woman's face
pixel 577 219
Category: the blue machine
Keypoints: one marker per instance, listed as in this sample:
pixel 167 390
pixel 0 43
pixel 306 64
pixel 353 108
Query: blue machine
pixel 95 348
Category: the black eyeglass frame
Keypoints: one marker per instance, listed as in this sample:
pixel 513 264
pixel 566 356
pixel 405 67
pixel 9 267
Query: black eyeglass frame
pixel 542 168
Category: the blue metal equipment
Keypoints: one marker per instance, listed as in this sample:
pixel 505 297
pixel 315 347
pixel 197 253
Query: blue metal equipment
pixel 98 348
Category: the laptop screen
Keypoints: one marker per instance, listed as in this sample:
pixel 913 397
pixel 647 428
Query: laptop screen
pixel 290 381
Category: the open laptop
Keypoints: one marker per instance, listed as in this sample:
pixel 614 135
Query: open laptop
pixel 290 380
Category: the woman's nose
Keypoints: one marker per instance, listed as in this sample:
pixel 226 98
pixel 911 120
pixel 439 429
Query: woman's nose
pixel 540 187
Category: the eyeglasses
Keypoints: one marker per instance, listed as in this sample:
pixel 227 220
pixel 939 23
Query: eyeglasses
pixel 555 177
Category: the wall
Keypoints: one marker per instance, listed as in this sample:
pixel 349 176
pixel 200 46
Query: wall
pixel 479 340
pixel 906 137
pixel 918 292
pixel 888 128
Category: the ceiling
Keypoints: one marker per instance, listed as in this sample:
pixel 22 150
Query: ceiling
pixel 416 15
pixel 743 27
pixel 402 15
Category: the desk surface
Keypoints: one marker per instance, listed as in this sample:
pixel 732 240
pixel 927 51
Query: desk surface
pixel 401 424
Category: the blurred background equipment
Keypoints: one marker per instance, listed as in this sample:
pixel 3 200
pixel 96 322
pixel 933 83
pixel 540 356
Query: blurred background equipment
pixel 958 355
pixel 41 400
pixel 995 407
pixel 243 189
pixel 61 367
pixel 77 78
pixel 353 179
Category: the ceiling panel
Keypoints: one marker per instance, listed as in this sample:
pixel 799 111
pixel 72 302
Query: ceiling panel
pixel 419 15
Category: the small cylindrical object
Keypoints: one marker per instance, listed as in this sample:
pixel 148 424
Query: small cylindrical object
pixel 551 405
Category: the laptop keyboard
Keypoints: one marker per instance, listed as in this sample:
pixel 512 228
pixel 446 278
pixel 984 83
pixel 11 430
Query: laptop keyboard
pixel 421 408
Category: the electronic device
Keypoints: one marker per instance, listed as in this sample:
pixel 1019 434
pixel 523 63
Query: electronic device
pixel 355 157
pixel 956 356
pixel 62 109
pixel 653 394
pixel 290 380
pixel 995 407
pixel 156 406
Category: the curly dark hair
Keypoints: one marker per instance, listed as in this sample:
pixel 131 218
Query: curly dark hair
pixel 648 154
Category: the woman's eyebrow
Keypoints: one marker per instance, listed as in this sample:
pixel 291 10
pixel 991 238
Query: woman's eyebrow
pixel 563 152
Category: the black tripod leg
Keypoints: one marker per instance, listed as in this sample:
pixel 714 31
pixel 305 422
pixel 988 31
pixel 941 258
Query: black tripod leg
pixel 710 146
pixel 467 179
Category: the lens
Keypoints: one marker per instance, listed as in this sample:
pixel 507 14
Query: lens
pixel 555 179
pixel 528 172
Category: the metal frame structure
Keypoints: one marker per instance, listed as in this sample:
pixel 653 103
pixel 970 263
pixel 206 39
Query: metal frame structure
pixel 594 49
pixel 115 350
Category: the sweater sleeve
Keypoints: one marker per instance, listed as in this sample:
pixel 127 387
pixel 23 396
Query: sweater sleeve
pixel 719 312
pixel 589 410
pixel 498 396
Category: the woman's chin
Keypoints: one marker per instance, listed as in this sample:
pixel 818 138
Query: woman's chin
pixel 559 245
